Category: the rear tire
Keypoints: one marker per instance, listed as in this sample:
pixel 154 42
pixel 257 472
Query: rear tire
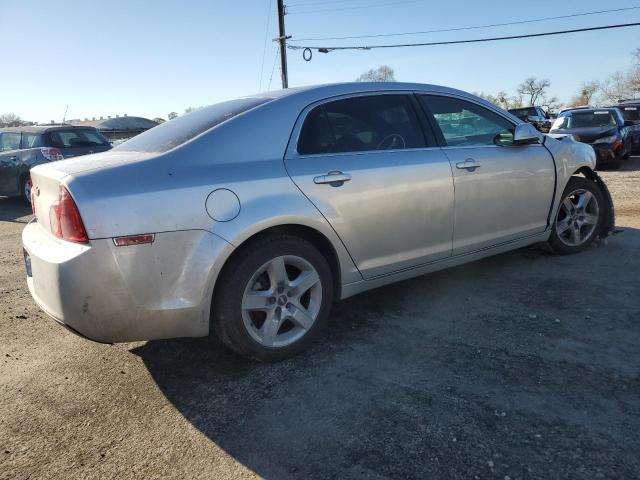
pixel 25 189
pixel 273 298
pixel 580 216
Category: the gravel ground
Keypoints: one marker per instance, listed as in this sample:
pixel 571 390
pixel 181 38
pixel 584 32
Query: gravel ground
pixel 523 365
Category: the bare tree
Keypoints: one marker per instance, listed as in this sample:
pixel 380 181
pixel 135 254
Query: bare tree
pixel 502 99
pixel 172 115
pixel 586 94
pixel 616 87
pixel 533 89
pixel 551 104
pixel 10 120
pixel 381 74
pixel 159 120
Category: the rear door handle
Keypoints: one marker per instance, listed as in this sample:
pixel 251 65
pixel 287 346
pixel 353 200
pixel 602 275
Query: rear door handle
pixel 469 164
pixel 335 178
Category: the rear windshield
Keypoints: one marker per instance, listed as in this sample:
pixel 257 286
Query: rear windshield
pixel 77 138
pixel 599 118
pixel 178 131
pixel 631 113
pixel 524 112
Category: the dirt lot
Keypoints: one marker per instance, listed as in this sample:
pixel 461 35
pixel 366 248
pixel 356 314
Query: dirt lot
pixel 524 365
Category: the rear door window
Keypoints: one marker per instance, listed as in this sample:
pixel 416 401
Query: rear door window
pixel 32 140
pixel 77 138
pixel 182 129
pixel 9 141
pixel 360 124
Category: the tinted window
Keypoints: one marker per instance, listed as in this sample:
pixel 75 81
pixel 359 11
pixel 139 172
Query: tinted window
pixel 77 138
pixel 32 140
pixel 581 119
pixel 631 113
pixel 9 141
pixel 524 112
pixel 316 136
pixel 178 131
pixel 376 122
pixel 466 124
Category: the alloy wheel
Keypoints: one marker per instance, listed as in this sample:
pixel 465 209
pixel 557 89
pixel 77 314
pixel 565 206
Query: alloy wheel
pixel 577 217
pixel 281 301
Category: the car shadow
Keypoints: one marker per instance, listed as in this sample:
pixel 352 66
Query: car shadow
pixel 453 374
pixel 632 164
pixel 14 210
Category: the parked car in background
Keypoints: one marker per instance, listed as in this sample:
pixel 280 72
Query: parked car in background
pixel 534 115
pixel 605 129
pixel 630 110
pixel 21 148
pixel 249 217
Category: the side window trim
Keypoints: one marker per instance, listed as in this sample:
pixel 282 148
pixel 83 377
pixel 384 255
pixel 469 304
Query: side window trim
pixel 291 151
pixel 438 130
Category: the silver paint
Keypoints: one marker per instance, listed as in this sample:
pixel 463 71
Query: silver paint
pixel 398 214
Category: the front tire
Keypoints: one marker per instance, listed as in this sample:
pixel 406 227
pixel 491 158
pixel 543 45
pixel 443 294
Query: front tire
pixel 273 298
pixel 579 218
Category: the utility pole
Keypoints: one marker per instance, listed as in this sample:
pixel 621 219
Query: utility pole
pixel 283 44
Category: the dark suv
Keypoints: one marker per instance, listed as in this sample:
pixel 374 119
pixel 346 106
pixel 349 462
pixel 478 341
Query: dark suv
pixel 630 110
pixel 534 115
pixel 24 147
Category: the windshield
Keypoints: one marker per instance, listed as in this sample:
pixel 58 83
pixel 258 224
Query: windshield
pixel 524 112
pixel 77 137
pixel 598 118
pixel 178 131
pixel 631 113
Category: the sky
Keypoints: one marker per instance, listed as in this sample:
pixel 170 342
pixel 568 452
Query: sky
pixel 151 57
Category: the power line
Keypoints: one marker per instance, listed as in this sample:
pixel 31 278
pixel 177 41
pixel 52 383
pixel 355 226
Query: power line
pixel 273 68
pixel 264 47
pixel 453 42
pixel 351 8
pixel 474 27
pixel 313 4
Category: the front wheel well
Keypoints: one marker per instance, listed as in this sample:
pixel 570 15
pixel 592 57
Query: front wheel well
pixel 608 226
pixel 311 235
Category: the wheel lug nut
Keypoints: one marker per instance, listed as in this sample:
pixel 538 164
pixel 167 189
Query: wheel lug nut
pixel 272 300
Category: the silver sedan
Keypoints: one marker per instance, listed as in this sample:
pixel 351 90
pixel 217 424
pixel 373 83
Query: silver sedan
pixel 250 217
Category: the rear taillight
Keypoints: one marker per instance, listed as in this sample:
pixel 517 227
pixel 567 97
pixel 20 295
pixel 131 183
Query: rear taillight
pixel 65 220
pixel 616 144
pixel 51 153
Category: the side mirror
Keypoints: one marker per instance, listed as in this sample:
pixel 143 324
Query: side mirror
pixel 525 134
pixel 628 123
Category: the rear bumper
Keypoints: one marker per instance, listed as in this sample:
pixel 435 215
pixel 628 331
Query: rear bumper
pixel 118 294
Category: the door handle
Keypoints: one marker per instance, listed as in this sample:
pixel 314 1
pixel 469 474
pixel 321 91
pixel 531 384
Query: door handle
pixel 335 178
pixel 469 164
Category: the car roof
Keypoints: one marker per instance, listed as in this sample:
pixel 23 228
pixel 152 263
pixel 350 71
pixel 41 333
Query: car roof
pixel 591 110
pixel 44 128
pixel 336 89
